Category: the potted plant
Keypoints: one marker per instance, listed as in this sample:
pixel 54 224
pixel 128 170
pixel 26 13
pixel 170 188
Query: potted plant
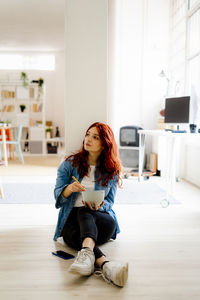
pixel 24 78
pixel 40 82
pixel 48 133
pixel 40 87
pixel 22 107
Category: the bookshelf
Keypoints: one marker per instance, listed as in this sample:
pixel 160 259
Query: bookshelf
pixel 25 105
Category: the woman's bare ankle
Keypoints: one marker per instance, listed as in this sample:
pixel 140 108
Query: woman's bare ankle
pixel 88 243
pixel 99 261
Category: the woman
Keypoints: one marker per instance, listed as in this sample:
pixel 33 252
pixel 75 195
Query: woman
pixel 96 166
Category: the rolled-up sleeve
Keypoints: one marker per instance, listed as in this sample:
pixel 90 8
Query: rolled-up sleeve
pixel 62 180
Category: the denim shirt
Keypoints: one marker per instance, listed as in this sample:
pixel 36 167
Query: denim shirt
pixel 64 178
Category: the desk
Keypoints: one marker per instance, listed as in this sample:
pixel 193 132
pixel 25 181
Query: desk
pixel 3 130
pixel 172 142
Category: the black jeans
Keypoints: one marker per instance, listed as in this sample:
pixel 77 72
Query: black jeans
pixel 84 222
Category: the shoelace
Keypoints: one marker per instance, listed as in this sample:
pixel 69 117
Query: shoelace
pixel 99 273
pixel 82 256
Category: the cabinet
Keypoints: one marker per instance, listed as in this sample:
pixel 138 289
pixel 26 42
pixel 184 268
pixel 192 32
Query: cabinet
pixel 26 106
pixel 129 157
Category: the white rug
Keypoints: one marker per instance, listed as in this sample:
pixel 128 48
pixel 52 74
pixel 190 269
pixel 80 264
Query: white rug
pixel 146 192
pixel 33 191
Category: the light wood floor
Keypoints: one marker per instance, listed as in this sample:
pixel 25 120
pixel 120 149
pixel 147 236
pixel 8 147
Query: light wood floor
pixel 34 165
pixel 162 246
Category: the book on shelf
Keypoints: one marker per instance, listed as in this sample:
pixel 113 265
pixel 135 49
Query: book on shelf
pixel 4 108
pixel 8 108
pixel 34 107
pixel 7 94
pixel 151 166
pixel 31 122
pixel 40 107
pixel 49 123
pixel 31 92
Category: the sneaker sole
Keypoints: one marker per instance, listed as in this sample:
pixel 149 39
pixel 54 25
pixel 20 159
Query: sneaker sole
pixel 80 271
pixel 122 277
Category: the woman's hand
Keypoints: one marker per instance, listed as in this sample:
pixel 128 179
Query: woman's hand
pixel 94 207
pixel 73 187
pixel 76 187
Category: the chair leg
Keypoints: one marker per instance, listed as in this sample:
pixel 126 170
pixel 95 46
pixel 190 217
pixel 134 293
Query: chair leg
pixel 19 153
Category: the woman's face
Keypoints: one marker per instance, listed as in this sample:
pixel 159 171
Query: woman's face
pixel 92 141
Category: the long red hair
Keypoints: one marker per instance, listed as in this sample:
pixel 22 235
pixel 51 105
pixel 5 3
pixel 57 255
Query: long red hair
pixel 109 164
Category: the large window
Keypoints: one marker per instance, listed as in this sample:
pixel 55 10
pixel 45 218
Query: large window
pixel 184 60
pixel 193 59
pixel 191 3
pixel 177 49
pixel 27 62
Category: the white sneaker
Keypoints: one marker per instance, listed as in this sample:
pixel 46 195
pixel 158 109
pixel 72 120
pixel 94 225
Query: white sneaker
pixel 115 272
pixel 84 263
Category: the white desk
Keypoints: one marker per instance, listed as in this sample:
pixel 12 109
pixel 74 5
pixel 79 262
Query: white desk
pixel 172 142
pixel 3 131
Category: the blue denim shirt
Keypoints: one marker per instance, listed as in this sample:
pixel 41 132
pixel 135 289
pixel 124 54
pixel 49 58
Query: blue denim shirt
pixel 64 178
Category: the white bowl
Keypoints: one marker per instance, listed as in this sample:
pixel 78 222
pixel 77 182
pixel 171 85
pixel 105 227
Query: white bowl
pixel 93 196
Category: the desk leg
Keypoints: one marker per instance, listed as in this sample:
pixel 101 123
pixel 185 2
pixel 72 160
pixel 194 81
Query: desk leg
pixel 4 146
pixel 141 155
pixel 171 166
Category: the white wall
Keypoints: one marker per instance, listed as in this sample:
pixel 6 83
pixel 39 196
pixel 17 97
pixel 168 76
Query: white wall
pixel 140 38
pixel 156 49
pixel 192 163
pixel 125 58
pixel 57 106
pixel 86 68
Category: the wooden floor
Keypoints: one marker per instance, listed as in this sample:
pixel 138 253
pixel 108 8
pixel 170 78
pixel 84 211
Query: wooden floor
pixel 162 246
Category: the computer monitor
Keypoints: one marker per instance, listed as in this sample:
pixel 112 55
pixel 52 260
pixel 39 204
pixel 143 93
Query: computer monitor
pixel 129 136
pixel 177 110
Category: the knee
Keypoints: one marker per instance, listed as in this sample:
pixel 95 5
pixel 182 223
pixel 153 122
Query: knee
pixel 83 212
pixel 106 233
pixel 112 225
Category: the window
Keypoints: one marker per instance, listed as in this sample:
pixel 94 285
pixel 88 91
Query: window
pixel 194 34
pixel 185 52
pixel 191 3
pixel 27 62
pixel 193 61
pixel 177 46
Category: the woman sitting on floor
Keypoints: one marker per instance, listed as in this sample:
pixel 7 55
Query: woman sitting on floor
pixel 83 227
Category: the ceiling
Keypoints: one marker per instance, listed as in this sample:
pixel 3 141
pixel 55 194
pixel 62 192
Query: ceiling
pixel 32 25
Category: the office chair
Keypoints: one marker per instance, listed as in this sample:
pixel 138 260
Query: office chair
pixel 16 143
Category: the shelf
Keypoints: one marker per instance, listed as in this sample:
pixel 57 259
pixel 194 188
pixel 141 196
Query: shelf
pixel 8 99
pixel 22 99
pixel 55 140
pixel 32 135
pixel 52 140
pixel 28 141
pixel 129 148
pixel 7 112
pixel 22 114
